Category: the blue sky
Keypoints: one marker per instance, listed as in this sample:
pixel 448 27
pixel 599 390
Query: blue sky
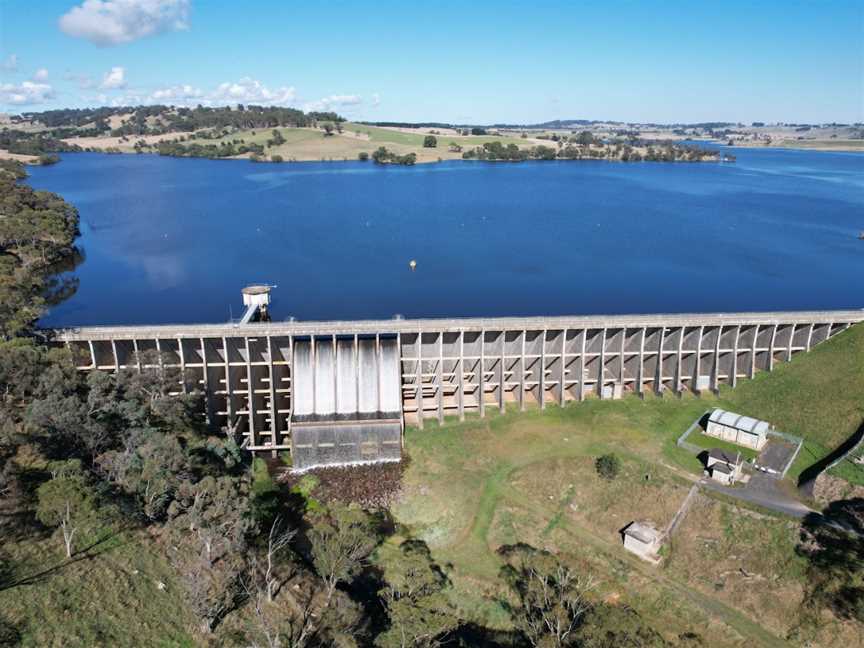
pixel 477 62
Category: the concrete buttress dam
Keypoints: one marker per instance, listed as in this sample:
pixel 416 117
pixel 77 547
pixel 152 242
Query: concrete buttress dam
pixel 277 383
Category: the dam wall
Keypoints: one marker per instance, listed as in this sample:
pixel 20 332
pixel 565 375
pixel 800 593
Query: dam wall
pixel 256 383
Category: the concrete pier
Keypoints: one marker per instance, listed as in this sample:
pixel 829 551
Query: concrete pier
pixel 450 367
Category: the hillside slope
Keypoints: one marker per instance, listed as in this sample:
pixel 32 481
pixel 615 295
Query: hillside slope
pixel 818 395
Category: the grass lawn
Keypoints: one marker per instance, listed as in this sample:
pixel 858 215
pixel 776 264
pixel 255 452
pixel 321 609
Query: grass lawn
pixel 819 396
pixel 704 441
pixel 110 597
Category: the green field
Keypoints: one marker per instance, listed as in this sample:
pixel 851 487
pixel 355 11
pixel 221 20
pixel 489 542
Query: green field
pixel 818 396
pixel 260 136
pixel 108 596
pixel 704 441
pixel 304 144
pixel 387 135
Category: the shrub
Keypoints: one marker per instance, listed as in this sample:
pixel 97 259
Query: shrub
pixel 304 488
pixel 276 158
pixel 608 466
pixel 265 493
pixel 430 141
pixel 363 156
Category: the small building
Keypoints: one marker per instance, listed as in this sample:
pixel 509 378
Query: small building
pixel 723 466
pixel 735 428
pixel 642 539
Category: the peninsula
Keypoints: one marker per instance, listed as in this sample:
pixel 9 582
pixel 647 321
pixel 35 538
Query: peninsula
pixel 272 134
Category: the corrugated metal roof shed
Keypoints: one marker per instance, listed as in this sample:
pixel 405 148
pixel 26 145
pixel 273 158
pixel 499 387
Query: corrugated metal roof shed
pixel 739 422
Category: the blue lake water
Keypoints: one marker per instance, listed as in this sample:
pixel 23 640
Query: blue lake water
pixel 174 240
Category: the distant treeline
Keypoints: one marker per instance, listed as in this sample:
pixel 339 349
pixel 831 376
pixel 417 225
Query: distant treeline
pixel 667 152
pixel 40 144
pixel 221 150
pixel 157 120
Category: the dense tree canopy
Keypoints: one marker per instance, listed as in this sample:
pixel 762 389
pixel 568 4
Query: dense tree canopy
pixel 37 232
pixel 158 119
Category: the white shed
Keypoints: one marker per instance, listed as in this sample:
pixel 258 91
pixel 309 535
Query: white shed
pixel 723 466
pixel 735 428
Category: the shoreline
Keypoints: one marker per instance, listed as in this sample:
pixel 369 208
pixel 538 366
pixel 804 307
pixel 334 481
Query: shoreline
pixel 822 146
pixel 333 160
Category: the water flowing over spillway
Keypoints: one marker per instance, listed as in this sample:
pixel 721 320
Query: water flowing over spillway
pixel 348 405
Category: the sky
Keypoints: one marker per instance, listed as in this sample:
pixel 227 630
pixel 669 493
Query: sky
pixel 501 61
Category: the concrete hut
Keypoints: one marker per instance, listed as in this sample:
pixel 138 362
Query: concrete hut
pixel 724 467
pixel 735 428
pixel 643 539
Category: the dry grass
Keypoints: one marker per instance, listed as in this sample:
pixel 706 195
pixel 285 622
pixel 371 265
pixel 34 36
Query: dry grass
pixel 741 557
pixel 475 486
pixel 127 146
pixel 748 560
pixel 26 159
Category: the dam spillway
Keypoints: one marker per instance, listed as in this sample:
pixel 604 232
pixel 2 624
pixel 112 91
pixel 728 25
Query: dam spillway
pixel 346 405
pixel 263 380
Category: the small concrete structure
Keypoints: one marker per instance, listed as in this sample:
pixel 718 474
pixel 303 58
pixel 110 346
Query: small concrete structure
pixel 723 466
pixel 735 428
pixel 643 539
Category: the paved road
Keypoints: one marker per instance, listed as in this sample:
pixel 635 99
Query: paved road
pixel 764 491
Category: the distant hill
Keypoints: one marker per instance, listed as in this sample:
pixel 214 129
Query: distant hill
pixel 156 120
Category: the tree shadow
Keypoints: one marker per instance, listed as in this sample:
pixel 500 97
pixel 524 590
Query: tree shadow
pixel 833 544
pixel 808 476
pixel 90 552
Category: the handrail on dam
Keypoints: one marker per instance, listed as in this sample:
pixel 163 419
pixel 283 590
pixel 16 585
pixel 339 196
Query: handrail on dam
pixel 455 366
pixel 394 326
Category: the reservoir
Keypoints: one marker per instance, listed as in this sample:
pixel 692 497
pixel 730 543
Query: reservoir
pixel 170 240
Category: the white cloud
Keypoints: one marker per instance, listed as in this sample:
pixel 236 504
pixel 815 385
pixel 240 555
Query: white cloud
pixel 10 63
pixel 26 93
pixel 333 101
pixel 40 75
pixel 376 100
pixel 179 94
pixel 114 79
pixel 113 22
pixel 248 90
